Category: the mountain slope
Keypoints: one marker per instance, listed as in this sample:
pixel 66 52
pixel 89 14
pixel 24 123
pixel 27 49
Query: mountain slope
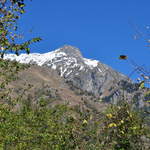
pixel 89 75
pixel 38 85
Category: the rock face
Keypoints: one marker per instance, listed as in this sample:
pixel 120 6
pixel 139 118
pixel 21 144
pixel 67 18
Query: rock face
pixel 89 75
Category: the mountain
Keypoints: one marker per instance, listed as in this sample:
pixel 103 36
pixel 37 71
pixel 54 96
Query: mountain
pixel 32 98
pixel 36 86
pixel 91 76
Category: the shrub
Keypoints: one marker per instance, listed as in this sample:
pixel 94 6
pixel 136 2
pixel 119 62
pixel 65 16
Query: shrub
pixel 123 128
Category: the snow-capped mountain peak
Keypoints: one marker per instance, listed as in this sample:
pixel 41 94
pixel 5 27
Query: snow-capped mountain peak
pixel 35 58
pixel 87 74
pixel 69 56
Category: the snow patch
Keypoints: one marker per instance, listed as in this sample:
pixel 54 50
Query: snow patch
pixel 54 67
pixel 62 72
pixel 81 68
pixel 68 73
pixel 91 63
pixel 37 58
pixel 100 70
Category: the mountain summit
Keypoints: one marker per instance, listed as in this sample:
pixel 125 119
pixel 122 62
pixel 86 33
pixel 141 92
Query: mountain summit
pixel 67 56
pixel 88 75
pixel 71 51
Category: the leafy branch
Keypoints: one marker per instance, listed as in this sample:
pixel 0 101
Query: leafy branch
pixel 10 13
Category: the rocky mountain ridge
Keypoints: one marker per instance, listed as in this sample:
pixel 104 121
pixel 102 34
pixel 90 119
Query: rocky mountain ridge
pixel 89 75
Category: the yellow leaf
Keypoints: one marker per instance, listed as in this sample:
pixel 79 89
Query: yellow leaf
pixel 122 121
pixel 85 121
pixel 109 115
pixel 122 132
pixel 148 101
pixel 112 125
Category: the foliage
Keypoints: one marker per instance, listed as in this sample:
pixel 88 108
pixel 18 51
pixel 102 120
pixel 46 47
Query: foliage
pixel 123 128
pixel 53 128
pixel 9 70
pixel 62 127
pixel 10 13
pixel 8 73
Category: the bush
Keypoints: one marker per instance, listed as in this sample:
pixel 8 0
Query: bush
pixel 123 128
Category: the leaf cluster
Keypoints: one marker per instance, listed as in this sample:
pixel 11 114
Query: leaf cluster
pixel 10 13
pixel 124 128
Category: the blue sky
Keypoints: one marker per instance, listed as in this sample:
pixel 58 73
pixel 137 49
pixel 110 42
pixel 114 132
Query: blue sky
pixel 102 29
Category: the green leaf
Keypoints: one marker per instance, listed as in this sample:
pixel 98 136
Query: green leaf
pixel 22 11
pixel 141 85
pixel 28 50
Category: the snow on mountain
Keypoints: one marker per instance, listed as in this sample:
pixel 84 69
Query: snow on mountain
pixel 70 57
pixel 86 74
pixel 36 58
pixel 91 63
pixel 91 76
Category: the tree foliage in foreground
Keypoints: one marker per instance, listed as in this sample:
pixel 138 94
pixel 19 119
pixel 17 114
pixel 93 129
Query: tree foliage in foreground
pixel 125 129
pixel 10 13
pixel 41 129
pixel 63 128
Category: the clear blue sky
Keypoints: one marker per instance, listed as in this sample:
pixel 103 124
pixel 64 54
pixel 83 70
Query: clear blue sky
pixel 102 29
